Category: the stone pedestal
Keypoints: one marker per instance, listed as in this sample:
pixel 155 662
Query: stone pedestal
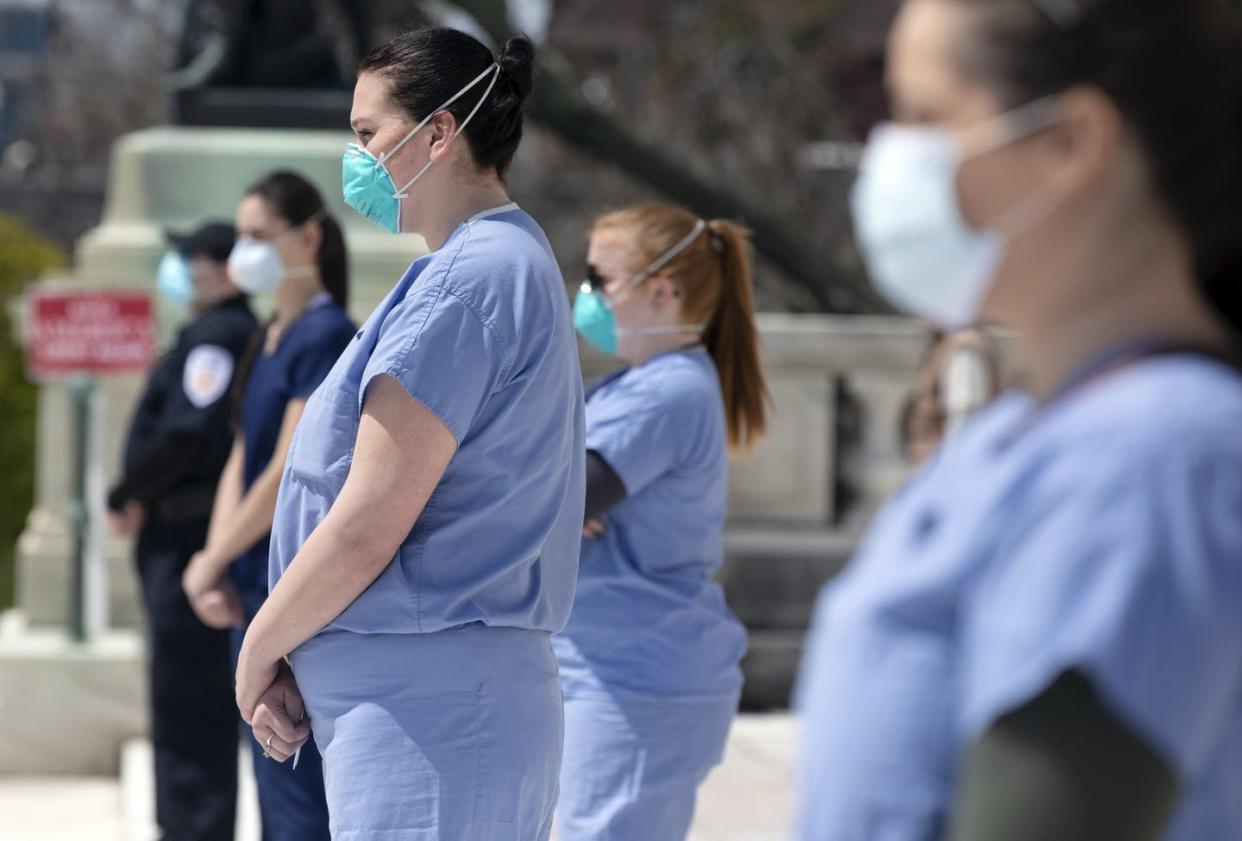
pixel 67 708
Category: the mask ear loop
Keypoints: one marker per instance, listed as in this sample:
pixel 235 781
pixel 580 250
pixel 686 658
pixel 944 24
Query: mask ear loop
pixel 318 216
pixel 495 71
pixel 298 271
pixel 384 156
pixel 1012 126
pixel 1024 121
pixel 664 259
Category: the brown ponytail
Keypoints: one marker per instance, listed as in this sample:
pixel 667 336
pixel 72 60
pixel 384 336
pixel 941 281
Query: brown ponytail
pixel 714 276
pixel 732 338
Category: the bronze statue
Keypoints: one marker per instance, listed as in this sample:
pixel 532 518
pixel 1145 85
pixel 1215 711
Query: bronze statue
pixel 274 63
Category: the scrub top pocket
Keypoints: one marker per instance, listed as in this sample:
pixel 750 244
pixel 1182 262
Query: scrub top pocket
pixel 330 418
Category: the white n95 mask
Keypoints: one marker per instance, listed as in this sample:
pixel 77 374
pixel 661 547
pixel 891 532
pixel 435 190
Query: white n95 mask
pixel 921 253
pixel 255 266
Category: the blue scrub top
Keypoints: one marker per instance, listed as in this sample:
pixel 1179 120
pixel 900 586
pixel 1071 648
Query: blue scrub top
pixel 307 351
pixel 1102 533
pixel 480 333
pixel 648 618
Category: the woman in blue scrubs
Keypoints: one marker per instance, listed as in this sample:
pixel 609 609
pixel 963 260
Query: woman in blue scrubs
pixel 287 244
pixel 426 537
pixel 649 659
pixel 1040 636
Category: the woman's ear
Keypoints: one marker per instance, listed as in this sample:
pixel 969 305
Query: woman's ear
pixel 440 132
pixel 312 234
pixel 1086 141
pixel 665 292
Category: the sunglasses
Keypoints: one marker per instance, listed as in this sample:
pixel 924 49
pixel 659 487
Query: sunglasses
pixel 594 279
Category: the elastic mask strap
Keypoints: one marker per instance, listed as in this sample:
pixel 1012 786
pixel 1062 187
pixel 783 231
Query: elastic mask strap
pixel 297 271
pixel 317 216
pixel 1012 126
pixel 1009 128
pixel 495 71
pixel 664 259
pixel 666 330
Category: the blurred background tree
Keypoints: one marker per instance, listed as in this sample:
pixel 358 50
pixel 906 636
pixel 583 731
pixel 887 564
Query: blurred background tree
pixel 708 104
pixel 717 104
pixel 713 104
pixel 24 256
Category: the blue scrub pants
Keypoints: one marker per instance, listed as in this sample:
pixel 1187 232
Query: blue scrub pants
pixel 448 736
pixel 292 806
pixel 632 766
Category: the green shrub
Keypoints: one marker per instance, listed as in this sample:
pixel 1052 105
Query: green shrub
pixel 24 256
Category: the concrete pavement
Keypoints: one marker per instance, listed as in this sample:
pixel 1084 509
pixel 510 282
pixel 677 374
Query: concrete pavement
pixel 748 798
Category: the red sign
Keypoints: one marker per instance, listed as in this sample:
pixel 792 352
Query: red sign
pixel 97 331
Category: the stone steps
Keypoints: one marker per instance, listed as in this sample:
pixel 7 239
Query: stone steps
pixel 60 808
pixel 65 707
pixel 749 797
pixel 771 578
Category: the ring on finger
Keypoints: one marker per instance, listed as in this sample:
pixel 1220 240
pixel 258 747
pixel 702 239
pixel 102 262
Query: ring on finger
pixel 267 746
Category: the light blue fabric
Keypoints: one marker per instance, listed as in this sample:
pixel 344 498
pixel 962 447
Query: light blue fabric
pixel 648 619
pixel 479 332
pixel 174 280
pixel 649 659
pixel 431 737
pixel 633 766
pixel 1104 535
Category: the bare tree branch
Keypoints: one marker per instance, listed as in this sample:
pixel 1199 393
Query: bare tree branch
pixel 558 105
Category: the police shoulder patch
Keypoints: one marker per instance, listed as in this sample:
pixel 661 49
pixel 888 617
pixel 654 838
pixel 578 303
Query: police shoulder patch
pixel 208 371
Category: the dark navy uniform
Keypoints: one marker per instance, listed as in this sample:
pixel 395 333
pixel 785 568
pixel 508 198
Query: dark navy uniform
pixel 178 443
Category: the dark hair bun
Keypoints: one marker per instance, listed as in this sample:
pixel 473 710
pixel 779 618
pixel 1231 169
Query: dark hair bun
pixel 427 67
pixel 517 62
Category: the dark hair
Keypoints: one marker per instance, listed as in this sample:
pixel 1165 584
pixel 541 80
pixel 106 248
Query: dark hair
pixel 429 66
pixel 297 201
pixel 1172 70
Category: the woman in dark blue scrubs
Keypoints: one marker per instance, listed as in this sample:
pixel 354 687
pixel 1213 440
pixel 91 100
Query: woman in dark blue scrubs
pixel 287 244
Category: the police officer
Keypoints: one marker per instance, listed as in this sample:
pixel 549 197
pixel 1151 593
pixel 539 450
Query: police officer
pixel 177 446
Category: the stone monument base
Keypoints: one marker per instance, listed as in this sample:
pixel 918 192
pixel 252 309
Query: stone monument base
pixel 66 708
